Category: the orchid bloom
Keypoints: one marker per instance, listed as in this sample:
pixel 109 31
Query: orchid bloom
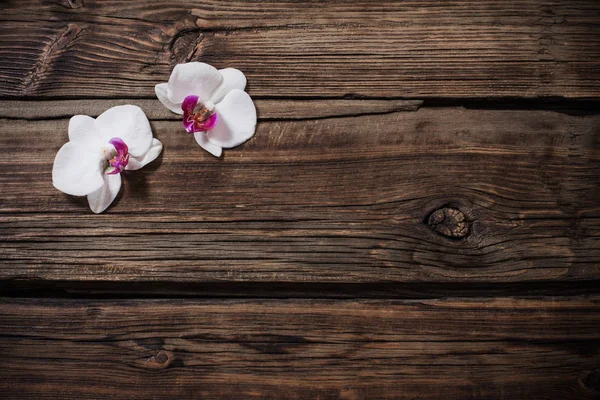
pixel 99 150
pixel 213 103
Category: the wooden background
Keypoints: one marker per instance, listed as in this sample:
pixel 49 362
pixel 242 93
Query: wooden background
pixel 418 215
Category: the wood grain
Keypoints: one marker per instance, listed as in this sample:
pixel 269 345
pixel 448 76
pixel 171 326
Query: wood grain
pixel 409 49
pixel 418 215
pixel 451 349
pixel 267 109
pixel 342 199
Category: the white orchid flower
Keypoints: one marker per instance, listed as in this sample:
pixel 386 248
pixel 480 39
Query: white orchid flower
pixel 213 103
pixel 90 164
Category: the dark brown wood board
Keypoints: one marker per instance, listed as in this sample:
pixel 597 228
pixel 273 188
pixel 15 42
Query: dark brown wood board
pixel 451 349
pixel 454 49
pixel 344 199
pixel 417 216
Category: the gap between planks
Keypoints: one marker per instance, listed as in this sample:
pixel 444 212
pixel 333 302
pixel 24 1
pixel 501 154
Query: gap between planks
pixel 79 289
pixel 293 108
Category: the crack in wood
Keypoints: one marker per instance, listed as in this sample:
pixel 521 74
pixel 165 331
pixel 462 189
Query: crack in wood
pixel 547 45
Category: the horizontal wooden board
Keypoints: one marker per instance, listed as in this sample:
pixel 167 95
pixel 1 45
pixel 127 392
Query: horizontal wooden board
pixel 313 199
pixel 409 49
pixel 450 349
pixel 267 109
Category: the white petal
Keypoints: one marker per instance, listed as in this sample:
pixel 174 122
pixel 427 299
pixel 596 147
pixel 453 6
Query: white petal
pixel 195 78
pixel 103 197
pixel 206 145
pixel 161 93
pixel 77 169
pixel 232 79
pixel 139 162
pixel 237 120
pixel 128 123
pixel 81 128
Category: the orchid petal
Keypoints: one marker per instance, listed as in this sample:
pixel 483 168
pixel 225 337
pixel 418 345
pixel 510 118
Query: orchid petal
pixel 206 145
pixel 151 155
pixel 193 78
pixel 161 92
pixel 237 120
pixel 100 199
pixel 82 129
pixel 77 169
pixel 232 79
pixel 130 124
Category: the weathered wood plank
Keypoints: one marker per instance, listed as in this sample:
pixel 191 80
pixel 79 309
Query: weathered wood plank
pixel 451 349
pixel 458 49
pixel 339 200
pixel 267 109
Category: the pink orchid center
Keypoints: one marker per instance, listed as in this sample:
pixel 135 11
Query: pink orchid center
pixel 117 158
pixel 198 117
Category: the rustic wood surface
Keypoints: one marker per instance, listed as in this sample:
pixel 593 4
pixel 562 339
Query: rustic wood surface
pixel 451 349
pixel 463 48
pixel 417 216
pixel 344 199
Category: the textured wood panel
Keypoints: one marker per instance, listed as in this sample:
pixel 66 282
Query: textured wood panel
pixel 451 349
pixel 440 157
pixel 342 199
pixel 457 49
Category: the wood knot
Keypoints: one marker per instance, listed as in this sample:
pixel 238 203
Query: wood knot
pixel 449 222
pixel 186 46
pixel 592 380
pixel 162 359
pixel 73 4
